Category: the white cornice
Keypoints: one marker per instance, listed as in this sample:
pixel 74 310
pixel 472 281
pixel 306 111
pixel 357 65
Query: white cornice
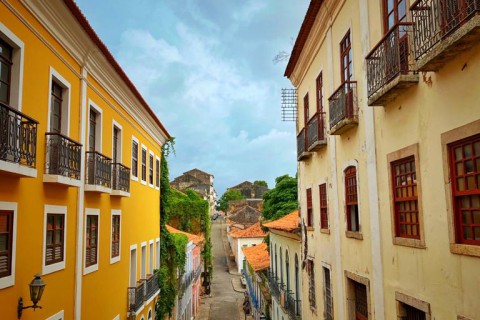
pixel 63 26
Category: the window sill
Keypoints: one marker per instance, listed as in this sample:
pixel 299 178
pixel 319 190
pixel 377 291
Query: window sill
pixel 465 249
pixel 114 259
pixel 407 242
pixel 325 231
pixel 310 229
pixel 54 267
pixel 90 269
pixel 354 234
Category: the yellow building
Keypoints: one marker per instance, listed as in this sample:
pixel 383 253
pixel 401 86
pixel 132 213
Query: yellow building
pixel 79 171
pixel 389 195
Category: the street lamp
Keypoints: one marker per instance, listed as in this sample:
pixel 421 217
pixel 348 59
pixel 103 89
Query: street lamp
pixel 36 291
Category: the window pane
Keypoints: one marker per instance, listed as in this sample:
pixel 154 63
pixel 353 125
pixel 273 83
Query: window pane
pixel 458 153
pixel 477 233
pixel 477 148
pixel 401 9
pixel 476 217
pixel 4 72
pixel 466 217
pixel 3 242
pixel 58 236
pixel 461 184
pixel 470 182
pixel 468 151
pixel 3 92
pixel 460 168
pixel 467 233
pixel 49 237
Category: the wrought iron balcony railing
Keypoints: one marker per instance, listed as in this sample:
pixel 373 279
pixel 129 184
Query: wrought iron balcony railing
pixel 435 20
pixel 273 284
pixel 316 131
pixel 151 285
pixel 390 58
pixel 185 282
pixel 121 177
pixel 302 141
pixel 136 296
pixel 251 290
pixel 18 137
pixel 62 156
pixel 99 171
pixel 293 306
pixel 343 107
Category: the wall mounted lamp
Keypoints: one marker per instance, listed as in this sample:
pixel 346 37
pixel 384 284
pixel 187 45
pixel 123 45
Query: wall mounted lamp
pixel 36 291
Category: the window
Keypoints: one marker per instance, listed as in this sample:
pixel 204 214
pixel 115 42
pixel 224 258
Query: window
pixel 133 265
pixel 407 312
pixel 150 259
pixel 319 83
pixel 405 198
pixel 91 240
pixel 58 121
pixel 150 170
pixel 351 200
pixel 134 158
pixel 157 260
pixel 116 145
pixel 306 110
pixel 346 58
pixel 6 242
pixel 6 52
pixel 144 165
pixel 297 279
pixel 55 238
pixel 464 156
pixel 311 283
pixel 411 308
pixel 115 246
pixel 361 301
pixel 92 135
pixel 276 265
pixel 328 297
pixel 281 267
pixel 287 270
pixel 323 206
pixel 157 173
pixel 11 68
pixel 56 108
pixel 395 11
pixel 143 261
pixel 309 208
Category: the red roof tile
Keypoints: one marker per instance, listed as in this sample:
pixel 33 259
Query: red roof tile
pixel 191 237
pixel 255 231
pixel 257 256
pixel 286 223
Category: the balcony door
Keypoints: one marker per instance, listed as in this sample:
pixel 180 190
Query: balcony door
pixel 5 72
pixel 116 141
pixel 395 13
pixel 56 109
pixel 453 13
pixel 92 131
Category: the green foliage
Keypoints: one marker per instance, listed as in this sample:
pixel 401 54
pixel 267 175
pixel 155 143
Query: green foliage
pixel 229 195
pixel 282 199
pixel 261 183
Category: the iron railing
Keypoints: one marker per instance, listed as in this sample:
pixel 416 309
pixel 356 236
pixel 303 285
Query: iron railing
pixel 251 290
pixel 273 284
pixel 293 306
pixel 197 272
pixel 389 58
pixel 62 155
pixel 301 143
pixel 434 20
pixel 185 282
pixel 121 177
pixel 315 129
pixel 18 137
pixel 151 285
pixel 99 171
pixel 136 296
pixel 343 103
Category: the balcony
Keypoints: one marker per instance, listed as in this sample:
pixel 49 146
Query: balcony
pixel 293 307
pixel 136 296
pixel 390 66
pixel 98 173
pixel 443 29
pixel 251 291
pixel 343 108
pixel 302 152
pixel 18 142
pixel 121 180
pixel 273 284
pixel 185 282
pixel 62 160
pixel 316 138
pixel 151 286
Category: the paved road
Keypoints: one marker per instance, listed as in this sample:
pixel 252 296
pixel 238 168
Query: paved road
pixel 225 302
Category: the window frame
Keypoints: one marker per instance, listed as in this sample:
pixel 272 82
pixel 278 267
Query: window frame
pixel 309 207
pixel 151 251
pixel 91 267
pixel 9 280
pixel 115 213
pixel 401 298
pixel 406 152
pixel 306 111
pixel 118 156
pixel 151 170
pixel 59 80
pixel 143 165
pixel 157 253
pixel 353 277
pixel 143 260
pixel 98 126
pixel 134 170
pixel 346 51
pixel 351 189
pixel 323 201
pixel 157 172
pixel 328 314
pixel 58 265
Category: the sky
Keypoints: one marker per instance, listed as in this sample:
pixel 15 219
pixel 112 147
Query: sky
pixel 205 67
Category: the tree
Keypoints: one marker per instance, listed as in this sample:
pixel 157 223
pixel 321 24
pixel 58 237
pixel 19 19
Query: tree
pixel 260 183
pixel 229 195
pixel 282 199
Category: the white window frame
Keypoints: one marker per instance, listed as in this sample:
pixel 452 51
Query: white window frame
pixel 17 66
pixel 99 125
pixel 55 76
pixel 119 148
pixel 157 253
pixel 134 139
pixel 144 182
pixel 94 267
pixel 133 247
pixel 151 154
pixel 115 212
pixel 46 269
pixel 150 256
pixel 143 260
pixel 57 316
pixel 157 158
pixel 9 281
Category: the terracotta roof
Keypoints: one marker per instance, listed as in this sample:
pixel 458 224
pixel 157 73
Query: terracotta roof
pixel 302 37
pixel 77 13
pixel 286 223
pixel 255 231
pixel 196 239
pixel 257 256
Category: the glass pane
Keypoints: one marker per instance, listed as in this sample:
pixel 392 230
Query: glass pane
pixel 458 153
pixel 475 201
pixel 461 184
pixel 58 236
pixel 59 221
pixel 467 233
pixel 49 237
pixel 4 72
pixel 469 166
pixel 477 233
pixel 409 229
pixel 476 147
pixel 465 202
pixel 476 217
pixel 3 92
pixel 466 217
pixel 414 230
pixel 460 168
pixel 401 9
pixel 468 151
pixel 390 5
pixel 402 229
pixel 391 20
pixel 3 242
pixel 414 217
pixel 407 215
pixel 470 182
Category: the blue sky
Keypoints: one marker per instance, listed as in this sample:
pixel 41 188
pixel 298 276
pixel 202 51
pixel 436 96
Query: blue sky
pixel 205 67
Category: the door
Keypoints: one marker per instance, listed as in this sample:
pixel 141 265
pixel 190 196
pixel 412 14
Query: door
pixel 395 12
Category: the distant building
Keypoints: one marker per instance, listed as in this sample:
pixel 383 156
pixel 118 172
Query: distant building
pixel 251 236
pixel 234 205
pixel 199 181
pixel 250 190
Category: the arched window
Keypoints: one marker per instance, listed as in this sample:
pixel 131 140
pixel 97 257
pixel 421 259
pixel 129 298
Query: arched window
pixel 281 266
pixel 297 279
pixel 276 265
pixel 287 269
pixel 351 199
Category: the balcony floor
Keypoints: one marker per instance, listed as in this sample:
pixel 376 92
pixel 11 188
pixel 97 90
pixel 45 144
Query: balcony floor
pixel 343 126
pixel 59 179
pixel 97 188
pixel 460 40
pixel 304 155
pixel 391 90
pixel 318 145
pixel 16 169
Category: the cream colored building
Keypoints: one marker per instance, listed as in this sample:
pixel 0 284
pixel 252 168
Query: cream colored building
pixel 389 158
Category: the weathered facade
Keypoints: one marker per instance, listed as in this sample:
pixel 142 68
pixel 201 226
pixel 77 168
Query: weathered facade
pixel 250 190
pixel 198 181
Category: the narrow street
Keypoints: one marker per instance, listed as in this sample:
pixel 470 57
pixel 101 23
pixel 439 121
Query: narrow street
pixel 225 302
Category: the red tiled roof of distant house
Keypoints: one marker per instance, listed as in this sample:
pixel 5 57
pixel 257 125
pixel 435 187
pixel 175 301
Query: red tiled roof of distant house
pixel 191 237
pixel 257 256
pixel 286 223
pixel 255 231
